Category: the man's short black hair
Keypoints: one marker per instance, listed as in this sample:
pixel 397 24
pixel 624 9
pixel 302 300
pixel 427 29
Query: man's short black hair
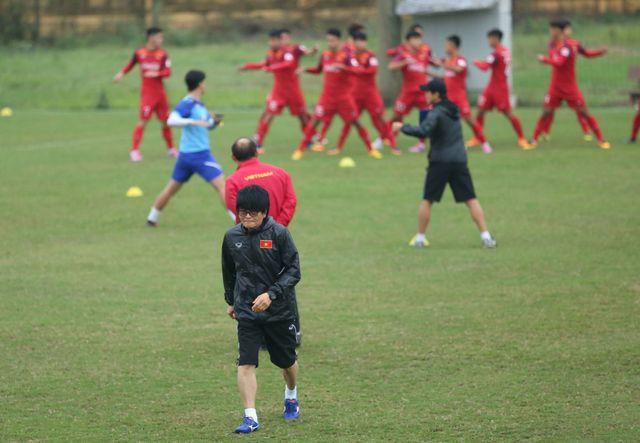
pixel 275 33
pixel 253 198
pixel 415 27
pixel 436 85
pixel 285 31
pixel 153 31
pixel 412 34
pixel 495 32
pixel 335 32
pixel 244 148
pixel 354 28
pixel 360 36
pixel 455 40
pixel 194 78
pixel 559 24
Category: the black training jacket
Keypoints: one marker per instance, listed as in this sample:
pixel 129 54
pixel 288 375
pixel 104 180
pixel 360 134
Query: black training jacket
pixel 443 128
pixel 255 262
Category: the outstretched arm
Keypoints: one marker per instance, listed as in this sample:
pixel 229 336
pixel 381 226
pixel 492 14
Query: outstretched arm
pixel 315 69
pixel 591 53
pixel 128 67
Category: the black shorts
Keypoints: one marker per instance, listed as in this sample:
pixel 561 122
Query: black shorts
pixel 458 177
pixel 279 338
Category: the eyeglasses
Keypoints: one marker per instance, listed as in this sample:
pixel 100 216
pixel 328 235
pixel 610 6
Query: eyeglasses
pixel 245 214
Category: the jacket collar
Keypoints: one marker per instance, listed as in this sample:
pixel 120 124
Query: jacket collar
pixel 250 162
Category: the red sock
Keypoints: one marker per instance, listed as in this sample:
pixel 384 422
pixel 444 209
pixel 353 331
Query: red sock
pixel 261 131
pixel 480 121
pixel 478 133
pixel 584 124
pixel 364 135
pixel 168 137
pixel 541 125
pixel 593 124
pixel 517 126
pixel 549 122
pixel 138 131
pixel 307 135
pixel 636 127
pixel 344 133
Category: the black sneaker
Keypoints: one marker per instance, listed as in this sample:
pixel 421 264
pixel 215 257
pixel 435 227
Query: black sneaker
pixel 151 224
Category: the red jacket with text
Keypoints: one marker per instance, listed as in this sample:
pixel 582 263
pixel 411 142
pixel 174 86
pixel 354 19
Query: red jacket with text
pixel 276 181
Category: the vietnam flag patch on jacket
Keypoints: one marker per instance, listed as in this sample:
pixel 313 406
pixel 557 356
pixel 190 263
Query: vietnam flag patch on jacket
pixel 266 244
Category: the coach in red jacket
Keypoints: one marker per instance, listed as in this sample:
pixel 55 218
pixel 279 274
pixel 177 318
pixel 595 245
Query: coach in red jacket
pixel 252 171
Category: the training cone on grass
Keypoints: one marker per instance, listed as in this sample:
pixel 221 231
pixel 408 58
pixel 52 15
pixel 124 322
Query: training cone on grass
pixel 347 162
pixel 6 112
pixel 134 191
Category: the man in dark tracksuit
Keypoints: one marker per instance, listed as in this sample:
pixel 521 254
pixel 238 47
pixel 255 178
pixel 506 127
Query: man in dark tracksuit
pixel 447 162
pixel 260 269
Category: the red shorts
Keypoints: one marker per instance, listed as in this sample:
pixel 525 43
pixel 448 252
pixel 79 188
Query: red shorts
pixel 463 104
pixel 490 99
pixel 373 104
pixel 554 99
pixel 345 108
pixel 407 100
pixel 292 99
pixel 154 103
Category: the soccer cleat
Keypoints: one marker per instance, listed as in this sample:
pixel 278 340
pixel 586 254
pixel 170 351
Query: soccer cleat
pixel 631 141
pixel 525 145
pixel 377 144
pixel 375 154
pixel 172 153
pixel 417 244
pixel 486 148
pixel 247 426
pixel 317 147
pixel 334 151
pixel 489 243
pixel 297 154
pixel 472 142
pixel 417 148
pixel 291 410
pixel 533 143
pixel 135 156
pixel 604 144
pixel 396 151
pixel 587 137
pixel 151 224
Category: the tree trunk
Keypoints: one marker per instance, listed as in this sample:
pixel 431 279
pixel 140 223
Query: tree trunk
pixel 388 36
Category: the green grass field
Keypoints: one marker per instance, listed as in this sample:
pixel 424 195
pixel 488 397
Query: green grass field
pixel 113 331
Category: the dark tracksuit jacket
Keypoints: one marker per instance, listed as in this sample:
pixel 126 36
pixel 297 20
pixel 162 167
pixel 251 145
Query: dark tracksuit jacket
pixel 442 127
pixel 255 262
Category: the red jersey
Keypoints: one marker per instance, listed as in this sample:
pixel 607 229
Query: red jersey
pixel 154 66
pixel 337 79
pixel 298 52
pixel 456 82
pixel 498 61
pixel 364 66
pixel 283 64
pixel 276 181
pixel 414 74
pixel 563 75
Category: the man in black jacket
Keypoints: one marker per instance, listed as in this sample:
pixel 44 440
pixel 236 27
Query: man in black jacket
pixel 447 162
pixel 260 269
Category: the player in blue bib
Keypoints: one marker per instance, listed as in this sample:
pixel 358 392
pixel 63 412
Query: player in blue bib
pixel 195 155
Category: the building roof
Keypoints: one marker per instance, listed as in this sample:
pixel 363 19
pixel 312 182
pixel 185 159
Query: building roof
pixel 410 7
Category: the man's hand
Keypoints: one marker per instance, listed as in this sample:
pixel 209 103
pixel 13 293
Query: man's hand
pixel 396 126
pixel 541 58
pixel 261 303
pixel 231 312
pixel 118 77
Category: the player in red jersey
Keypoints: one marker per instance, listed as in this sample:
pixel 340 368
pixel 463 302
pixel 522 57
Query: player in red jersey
pixel 365 92
pixel 587 53
pixel 496 93
pixel 413 61
pixel 335 97
pixel 455 77
pixel 564 86
pixel 349 48
pixel 397 50
pixel 635 127
pixel 282 61
pixel 154 67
